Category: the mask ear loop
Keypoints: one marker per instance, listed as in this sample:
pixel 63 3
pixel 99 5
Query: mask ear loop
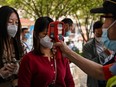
pixel 112 24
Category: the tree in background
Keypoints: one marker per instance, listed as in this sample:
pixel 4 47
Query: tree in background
pixel 79 9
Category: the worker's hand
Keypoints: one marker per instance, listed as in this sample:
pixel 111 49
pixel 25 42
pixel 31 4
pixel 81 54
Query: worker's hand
pixel 64 48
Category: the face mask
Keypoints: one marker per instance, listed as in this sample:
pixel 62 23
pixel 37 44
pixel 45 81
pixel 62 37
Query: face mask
pixel 68 33
pixel 110 44
pixel 46 42
pixel 12 30
pixel 98 39
pixel 27 36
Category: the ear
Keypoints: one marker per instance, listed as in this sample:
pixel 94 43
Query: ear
pixel 66 27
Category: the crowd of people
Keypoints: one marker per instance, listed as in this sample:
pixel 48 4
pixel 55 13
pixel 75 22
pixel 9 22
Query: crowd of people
pixel 40 66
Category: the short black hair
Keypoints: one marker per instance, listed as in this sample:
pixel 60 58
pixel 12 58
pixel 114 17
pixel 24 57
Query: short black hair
pixel 68 21
pixel 24 29
pixel 109 6
pixel 97 24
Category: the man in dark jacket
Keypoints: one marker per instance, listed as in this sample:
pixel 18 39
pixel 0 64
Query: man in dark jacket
pixel 95 51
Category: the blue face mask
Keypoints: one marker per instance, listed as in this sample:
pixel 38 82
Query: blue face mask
pixel 67 33
pixel 27 36
pixel 110 44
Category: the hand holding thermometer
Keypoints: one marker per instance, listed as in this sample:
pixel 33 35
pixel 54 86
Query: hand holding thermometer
pixel 56 33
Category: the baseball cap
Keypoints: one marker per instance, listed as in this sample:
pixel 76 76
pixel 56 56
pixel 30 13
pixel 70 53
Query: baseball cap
pixel 109 6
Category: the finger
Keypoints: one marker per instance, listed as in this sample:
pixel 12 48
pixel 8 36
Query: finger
pixel 57 43
pixel 3 68
pixel 13 64
pixel 10 67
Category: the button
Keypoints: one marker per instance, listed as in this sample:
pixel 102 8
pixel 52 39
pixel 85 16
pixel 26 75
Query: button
pixel 51 57
pixel 54 72
pixel 51 64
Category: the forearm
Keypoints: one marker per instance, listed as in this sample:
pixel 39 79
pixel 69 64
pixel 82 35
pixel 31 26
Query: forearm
pixel 91 68
pixel 90 57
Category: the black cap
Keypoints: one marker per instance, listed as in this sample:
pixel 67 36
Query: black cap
pixel 109 6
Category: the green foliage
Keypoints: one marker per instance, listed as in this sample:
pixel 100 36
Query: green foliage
pixel 53 8
pixel 80 9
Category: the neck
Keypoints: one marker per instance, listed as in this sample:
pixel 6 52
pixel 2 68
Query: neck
pixel 47 52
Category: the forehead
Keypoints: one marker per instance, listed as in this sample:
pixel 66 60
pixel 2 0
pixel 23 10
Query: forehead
pixel 13 16
pixel 98 29
pixel 106 16
pixel 26 31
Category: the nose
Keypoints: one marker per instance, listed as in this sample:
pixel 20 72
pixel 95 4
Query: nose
pixel 14 22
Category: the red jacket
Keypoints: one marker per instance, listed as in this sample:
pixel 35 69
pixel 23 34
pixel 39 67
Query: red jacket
pixel 37 71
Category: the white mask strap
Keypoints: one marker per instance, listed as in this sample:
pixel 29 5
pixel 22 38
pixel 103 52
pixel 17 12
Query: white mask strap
pixel 112 24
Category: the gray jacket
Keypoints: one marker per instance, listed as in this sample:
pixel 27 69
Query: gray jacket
pixel 90 52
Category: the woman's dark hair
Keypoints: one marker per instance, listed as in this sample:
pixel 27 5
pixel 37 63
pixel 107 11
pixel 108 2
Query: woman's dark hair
pixel 41 24
pixel 49 19
pixel 5 12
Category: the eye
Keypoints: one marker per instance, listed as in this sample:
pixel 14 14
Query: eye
pixel 13 22
pixel 10 21
pixel 16 22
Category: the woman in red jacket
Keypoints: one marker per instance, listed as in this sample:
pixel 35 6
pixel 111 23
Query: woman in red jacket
pixel 40 68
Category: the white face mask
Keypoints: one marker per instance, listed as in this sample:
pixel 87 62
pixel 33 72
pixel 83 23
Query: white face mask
pixel 46 42
pixel 98 39
pixel 110 44
pixel 12 30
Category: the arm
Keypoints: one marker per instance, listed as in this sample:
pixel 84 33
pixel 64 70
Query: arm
pixel 91 68
pixel 68 78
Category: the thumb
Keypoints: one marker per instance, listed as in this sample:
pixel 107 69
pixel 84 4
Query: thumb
pixel 58 43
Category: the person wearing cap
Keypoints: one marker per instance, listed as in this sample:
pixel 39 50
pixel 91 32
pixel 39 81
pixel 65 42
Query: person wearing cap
pixel 94 50
pixel 93 69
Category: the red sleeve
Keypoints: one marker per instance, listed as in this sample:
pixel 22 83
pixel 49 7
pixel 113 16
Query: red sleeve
pixel 107 72
pixel 24 75
pixel 68 78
